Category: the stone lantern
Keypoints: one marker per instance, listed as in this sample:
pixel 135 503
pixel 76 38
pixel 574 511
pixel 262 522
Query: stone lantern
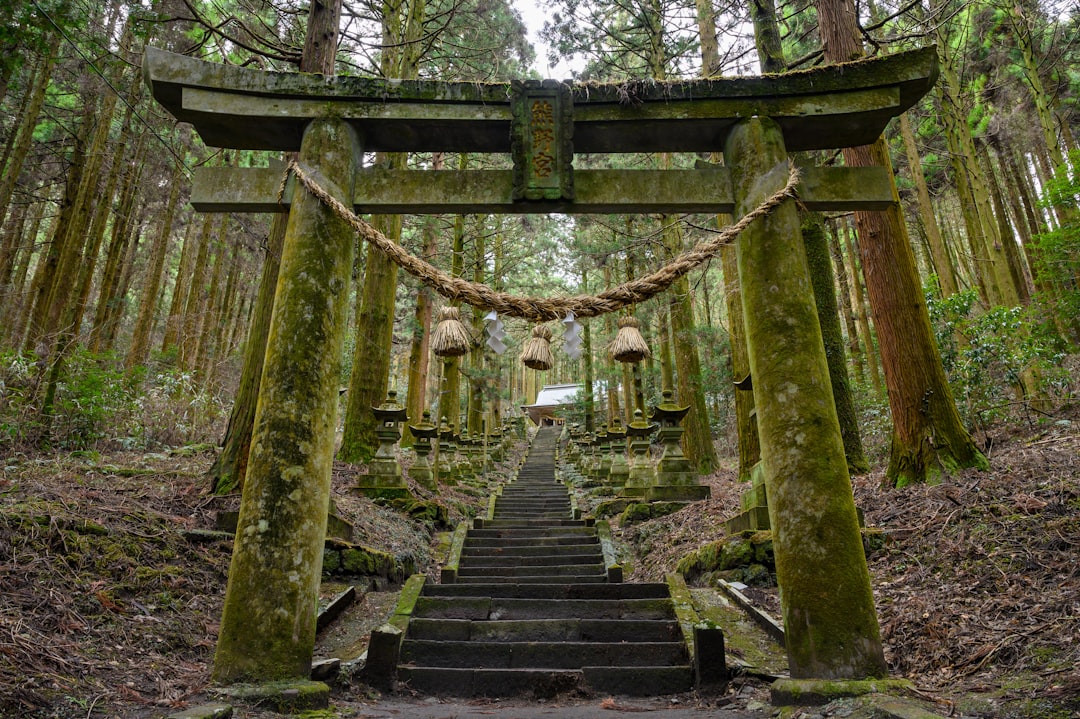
pixel 600 452
pixel 676 479
pixel 421 470
pixel 584 454
pixel 384 478
pixel 620 470
pixel 444 460
pixel 462 464
pixel 495 445
pixel 642 474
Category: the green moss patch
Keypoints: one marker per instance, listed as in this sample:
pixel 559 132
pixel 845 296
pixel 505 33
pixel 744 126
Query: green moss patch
pixel 287 697
pixel 814 692
pixel 748 560
pixel 642 511
pixel 428 512
pixel 354 560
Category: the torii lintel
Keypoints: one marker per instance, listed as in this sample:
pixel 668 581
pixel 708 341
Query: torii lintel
pixel 542 125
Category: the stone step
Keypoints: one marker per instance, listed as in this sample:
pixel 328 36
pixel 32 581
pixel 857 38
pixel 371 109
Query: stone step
pixel 546 630
pixel 540 655
pixel 520 505
pixel 553 515
pixel 552 493
pixel 504 608
pixel 533 541
pixel 552 570
pixel 525 523
pixel 615 591
pixel 537 579
pixel 530 532
pixel 531 609
pixel 544 683
pixel 528 550
pixel 541 560
pixel 538 492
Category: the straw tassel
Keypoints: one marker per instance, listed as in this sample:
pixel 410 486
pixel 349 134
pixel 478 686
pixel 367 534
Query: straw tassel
pixel 450 338
pixel 629 345
pixel 537 351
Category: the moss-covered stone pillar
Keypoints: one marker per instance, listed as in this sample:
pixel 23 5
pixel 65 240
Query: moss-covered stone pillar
pixel 602 457
pixel 831 625
pixel 462 465
pixel 495 445
pixel 421 469
pixel 268 622
pixel 620 470
pixel 642 473
pixel 475 453
pixel 444 459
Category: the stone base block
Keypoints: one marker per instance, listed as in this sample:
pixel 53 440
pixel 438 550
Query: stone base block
pixel 751 520
pixel 677 493
pixel 814 692
pixel 285 697
pixel 339 528
pixel 382 657
pixel 425 479
pixel 710 661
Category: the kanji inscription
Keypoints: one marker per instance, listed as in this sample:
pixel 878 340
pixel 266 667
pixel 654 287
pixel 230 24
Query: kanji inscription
pixel 542 149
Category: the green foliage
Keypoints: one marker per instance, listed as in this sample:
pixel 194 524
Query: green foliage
pixel 985 353
pixel 97 405
pixel 89 395
pixel 716 379
pixel 1057 252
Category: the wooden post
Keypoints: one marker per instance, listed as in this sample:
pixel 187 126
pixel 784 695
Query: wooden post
pixel 268 622
pixel 832 628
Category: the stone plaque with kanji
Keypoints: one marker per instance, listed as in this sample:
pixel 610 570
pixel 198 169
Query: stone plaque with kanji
pixel 542 141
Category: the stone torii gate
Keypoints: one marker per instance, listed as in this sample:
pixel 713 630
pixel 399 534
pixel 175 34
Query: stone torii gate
pixel 268 623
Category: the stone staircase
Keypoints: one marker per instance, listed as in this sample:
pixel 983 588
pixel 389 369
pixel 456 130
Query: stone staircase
pixel 531 609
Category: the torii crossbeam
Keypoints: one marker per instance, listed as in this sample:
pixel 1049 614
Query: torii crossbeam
pixel 817 109
pixel 268 624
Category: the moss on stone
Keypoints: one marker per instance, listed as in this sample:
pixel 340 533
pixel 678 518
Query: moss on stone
pixel 813 692
pixel 832 629
pixel 610 508
pixel 287 697
pixel 331 561
pixel 364 560
pixel 635 513
pixel 433 513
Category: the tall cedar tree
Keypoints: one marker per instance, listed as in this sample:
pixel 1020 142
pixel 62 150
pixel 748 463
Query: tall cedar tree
pixel 928 437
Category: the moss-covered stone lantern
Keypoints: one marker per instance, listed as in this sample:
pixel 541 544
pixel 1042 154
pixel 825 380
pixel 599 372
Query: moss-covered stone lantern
pixel 462 465
pixel 421 470
pixel 495 445
pixel 573 449
pixel 445 470
pixel 599 471
pixel 676 479
pixel 620 470
pixel 642 473
pixel 476 453
pixel 384 478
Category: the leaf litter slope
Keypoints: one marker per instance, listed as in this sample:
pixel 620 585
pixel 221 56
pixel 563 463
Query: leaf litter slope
pixel 977 582
pixel 106 609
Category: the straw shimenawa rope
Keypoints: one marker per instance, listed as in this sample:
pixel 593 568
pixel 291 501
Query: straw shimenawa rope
pixel 540 309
